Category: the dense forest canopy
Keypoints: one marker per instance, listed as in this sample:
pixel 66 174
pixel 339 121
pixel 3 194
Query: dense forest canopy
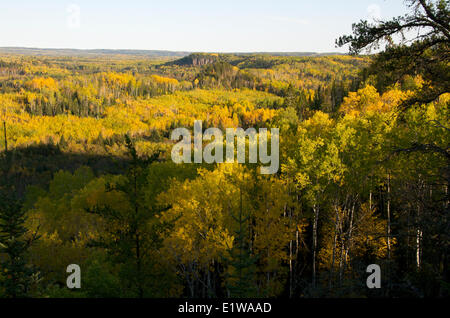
pixel 86 176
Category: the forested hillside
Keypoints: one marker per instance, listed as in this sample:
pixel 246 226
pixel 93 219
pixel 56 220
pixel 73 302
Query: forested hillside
pixel 86 174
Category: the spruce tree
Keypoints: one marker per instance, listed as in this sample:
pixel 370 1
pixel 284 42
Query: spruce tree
pixel 241 279
pixel 17 276
pixel 129 238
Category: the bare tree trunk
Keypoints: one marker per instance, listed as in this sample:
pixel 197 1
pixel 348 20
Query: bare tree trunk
pixel 349 235
pixel 315 223
pixel 388 230
pixel 290 270
pixel 333 259
pixel 6 140
pixel 341 259
pixel 446 202
pixel 418 240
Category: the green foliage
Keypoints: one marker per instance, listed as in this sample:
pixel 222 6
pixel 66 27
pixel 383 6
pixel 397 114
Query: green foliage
pixel 361 182
pixel 241 275
pixel 17 277
pixel 426 54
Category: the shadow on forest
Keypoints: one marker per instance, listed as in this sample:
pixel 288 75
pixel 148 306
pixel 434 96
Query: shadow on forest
pixel 36 165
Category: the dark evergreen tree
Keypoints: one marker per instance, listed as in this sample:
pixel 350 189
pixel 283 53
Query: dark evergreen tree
pixel 129 239
pixel 241 279
pixel 17 276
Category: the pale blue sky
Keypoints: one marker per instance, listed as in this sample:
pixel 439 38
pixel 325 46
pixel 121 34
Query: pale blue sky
pixel 188 25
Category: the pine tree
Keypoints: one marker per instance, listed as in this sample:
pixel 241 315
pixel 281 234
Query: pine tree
pixel 128 237
pixel 318 99
pixel 17 275
pixel 241 278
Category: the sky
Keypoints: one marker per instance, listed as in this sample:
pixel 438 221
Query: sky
pixel 187 25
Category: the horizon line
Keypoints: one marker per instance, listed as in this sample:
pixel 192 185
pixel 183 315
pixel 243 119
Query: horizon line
pixel 171 51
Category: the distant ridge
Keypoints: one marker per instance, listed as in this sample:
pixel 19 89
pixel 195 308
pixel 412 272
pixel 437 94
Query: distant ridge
pixel 143 53
pixel 289 53
pixel 79 52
